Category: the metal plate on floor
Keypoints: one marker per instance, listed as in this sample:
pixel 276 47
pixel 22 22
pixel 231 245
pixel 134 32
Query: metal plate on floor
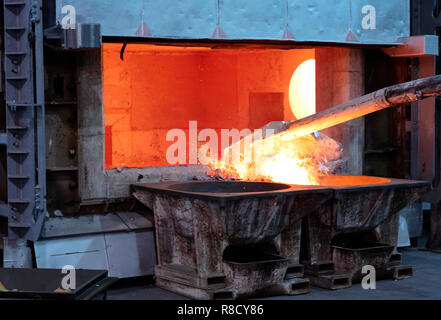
pixel 47 283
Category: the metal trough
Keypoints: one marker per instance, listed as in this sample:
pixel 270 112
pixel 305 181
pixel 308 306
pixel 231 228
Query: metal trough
pixel 358 226
pixel 213 236
pixel 37 284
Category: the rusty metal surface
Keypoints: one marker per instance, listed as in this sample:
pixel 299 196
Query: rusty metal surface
pixel 247 277
pixel 352 260
pixel 228 190
pixel 358 210
pixel 364 207
pixel 198 222
pixel 45 283
pixel 194 229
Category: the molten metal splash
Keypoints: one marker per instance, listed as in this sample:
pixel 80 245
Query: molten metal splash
pixel 277 159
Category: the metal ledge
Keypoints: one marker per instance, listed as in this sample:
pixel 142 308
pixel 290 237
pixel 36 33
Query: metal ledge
pixel 94 224
pixel 415 46
pixel 244 43
pixel 3 209
pixel 244 19
pixel 3 138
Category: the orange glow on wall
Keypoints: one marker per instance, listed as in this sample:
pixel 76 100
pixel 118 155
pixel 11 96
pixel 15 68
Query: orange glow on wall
pixel 158 88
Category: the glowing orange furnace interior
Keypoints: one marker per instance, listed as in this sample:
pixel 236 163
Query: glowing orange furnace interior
pixel 158 88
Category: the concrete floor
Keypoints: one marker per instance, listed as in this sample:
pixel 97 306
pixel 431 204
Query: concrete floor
pixel 425 284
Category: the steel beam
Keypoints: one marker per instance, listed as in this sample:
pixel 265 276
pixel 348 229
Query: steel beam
pixel 355 21
pixel 3 209
pixel 24 95
pixel 3 138
pixel 415 46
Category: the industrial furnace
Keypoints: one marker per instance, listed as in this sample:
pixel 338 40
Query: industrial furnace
pixel 122 112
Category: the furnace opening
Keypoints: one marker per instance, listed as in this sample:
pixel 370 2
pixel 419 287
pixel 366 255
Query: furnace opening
pixel 154 89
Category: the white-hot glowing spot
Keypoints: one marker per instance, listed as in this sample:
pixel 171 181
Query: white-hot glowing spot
pixel 302 90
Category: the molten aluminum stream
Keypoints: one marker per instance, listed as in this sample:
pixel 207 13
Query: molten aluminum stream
pixel 301 160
